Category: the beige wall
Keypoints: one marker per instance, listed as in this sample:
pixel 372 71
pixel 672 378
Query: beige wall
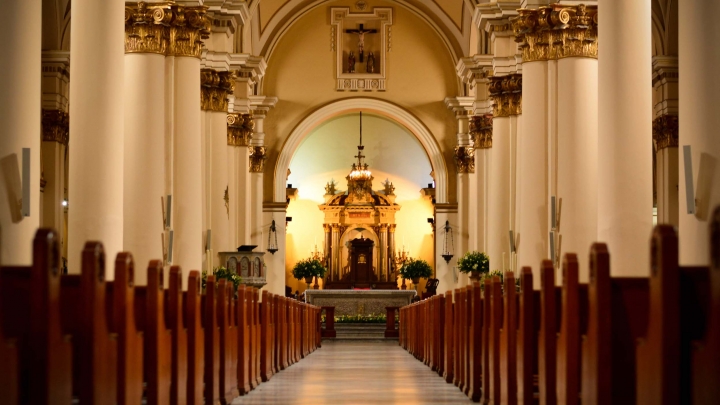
pixel 420 74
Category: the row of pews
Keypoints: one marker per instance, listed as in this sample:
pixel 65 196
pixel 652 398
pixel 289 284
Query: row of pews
pixel 82 338
pixel 649 340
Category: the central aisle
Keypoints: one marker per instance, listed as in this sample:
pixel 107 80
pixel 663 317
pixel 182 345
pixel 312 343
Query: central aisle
pixel 351 372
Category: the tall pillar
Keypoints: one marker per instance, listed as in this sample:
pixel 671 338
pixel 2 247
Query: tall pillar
pixel 383 252
pixel 275 273
pixel 55 127
pixel 625 135
pixel 95 201
pixel 240 132
pixel 336 269
pixel 216 87
pixel 446 272
pixel 144 135
pixel 665 129
pixel 577 131
pixel 258 155
pixel 532 148
pixel 391 251
pixel 327 248
pixel 187 170
pixel 700 96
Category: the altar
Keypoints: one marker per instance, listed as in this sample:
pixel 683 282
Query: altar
pixel 359 302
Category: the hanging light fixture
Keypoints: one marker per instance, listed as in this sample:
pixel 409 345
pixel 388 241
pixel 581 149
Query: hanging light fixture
pixel 448 247
pixel 272 246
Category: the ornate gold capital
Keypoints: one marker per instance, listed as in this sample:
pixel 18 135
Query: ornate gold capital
pixel 165 28
pixel 465 159
pixel 557 31
pixel 55 126
pixel 665 131
pixel 257 159
pixel 240 129
pixel 506 93
pixel 215 88
pixel 481 131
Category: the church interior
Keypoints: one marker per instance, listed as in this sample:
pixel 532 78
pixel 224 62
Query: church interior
pixel 168 168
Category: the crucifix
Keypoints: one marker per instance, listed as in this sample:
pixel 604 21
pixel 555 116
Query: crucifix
pixel 361 31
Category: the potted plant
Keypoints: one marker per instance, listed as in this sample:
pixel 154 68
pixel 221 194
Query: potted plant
pixel 415 269
pixel 221 272
pixel 306 269
pixel 475 263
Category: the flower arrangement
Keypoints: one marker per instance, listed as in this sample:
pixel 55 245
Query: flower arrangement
pixel 474 261
pixel 221 272
pixel 414 269
pixel 308 268
pixel 500 274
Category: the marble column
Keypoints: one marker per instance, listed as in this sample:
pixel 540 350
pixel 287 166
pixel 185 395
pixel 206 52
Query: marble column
pixel 699 96
pixel 391 251
pixel 187 171
pixel 216 87
pixel 532 150
pixel 240 132
pixel 144 137
pixel 336 269
pixel 665 129
pixel 95 201
pixel 383 252
pixel 327 249
pixel 55 131
pixel 257 166
pixel 625 135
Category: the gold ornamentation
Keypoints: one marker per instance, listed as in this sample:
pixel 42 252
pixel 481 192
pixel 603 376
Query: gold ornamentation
pixel 481 131
pixel 506 93
pixel 557 31
pixel 165 28
pixel 240 129
pixel 665 131
pixel 257 159
pixel 215 88
pixel 55 126
pixel 465 159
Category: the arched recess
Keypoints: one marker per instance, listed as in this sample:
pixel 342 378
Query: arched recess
pixel 379 107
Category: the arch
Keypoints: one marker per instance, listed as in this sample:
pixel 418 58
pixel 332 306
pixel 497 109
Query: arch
pixel 379 107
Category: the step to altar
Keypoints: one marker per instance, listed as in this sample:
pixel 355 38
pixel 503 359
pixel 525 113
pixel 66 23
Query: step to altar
pixel 360 331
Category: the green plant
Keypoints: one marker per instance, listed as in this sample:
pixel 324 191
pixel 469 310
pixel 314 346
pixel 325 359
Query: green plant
pixel 491 274
pixel 308 268
pixel 221 272
pixel 474 261
pixel 415 268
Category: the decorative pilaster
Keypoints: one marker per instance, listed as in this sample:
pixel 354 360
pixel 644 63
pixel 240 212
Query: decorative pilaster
pixel 557 31
pixel 257 159
pixel 465 159
pixel 506 93
pixel 216 87
pixel 481 131
pixel 165 28
pixel 240 129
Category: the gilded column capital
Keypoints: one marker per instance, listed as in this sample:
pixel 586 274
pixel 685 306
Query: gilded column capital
pixel 557 31
pixel 257 159
pixel 240 129
pixel 481 131
pixel 506 93
pixel 665 131
pixel 465 159
pixel 165 28
pixel 55 126
pixel 215 87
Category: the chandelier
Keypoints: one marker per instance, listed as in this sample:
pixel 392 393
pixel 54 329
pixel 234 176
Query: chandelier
pixel 360 178
pixel 360 169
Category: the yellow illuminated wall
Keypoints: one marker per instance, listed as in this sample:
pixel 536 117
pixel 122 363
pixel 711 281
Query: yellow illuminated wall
pixel 328 152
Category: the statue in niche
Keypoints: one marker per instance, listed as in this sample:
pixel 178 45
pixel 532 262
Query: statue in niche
pixel 351 62
pixel 370 63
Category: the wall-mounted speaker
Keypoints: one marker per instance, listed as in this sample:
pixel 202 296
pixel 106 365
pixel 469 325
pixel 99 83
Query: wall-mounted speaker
pixel 168 211
pixel 512 242
pixel 26 183
pixel 170 247
pixel 706 174
pixel 689 189
pixel 208 240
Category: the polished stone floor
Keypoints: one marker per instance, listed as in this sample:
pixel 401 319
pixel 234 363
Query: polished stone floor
pixel 356 372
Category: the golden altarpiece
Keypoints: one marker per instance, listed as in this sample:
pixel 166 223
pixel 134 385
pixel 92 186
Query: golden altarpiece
pixel 360 232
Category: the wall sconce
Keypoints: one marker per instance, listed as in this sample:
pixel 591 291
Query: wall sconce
pixel 448 246
pixel 272 239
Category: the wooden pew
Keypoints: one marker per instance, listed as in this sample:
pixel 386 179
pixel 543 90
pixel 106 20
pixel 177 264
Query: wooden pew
pixel 704 358
pixel 457 341
pixel 9 364
pixel 212 341
pixel 508 342
pixel 179 338
pixel 192 302
pixel 526 339
pixel 150 314
pixel 30 298
pixel 475 343
pixel 227 337
pixel 244 329
pixel 494 296
pixel 266 341
pixel 449 346
pixel 572 328
pixel 130 341
pixel 547 338
pixel 256 337
pixel 84 316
